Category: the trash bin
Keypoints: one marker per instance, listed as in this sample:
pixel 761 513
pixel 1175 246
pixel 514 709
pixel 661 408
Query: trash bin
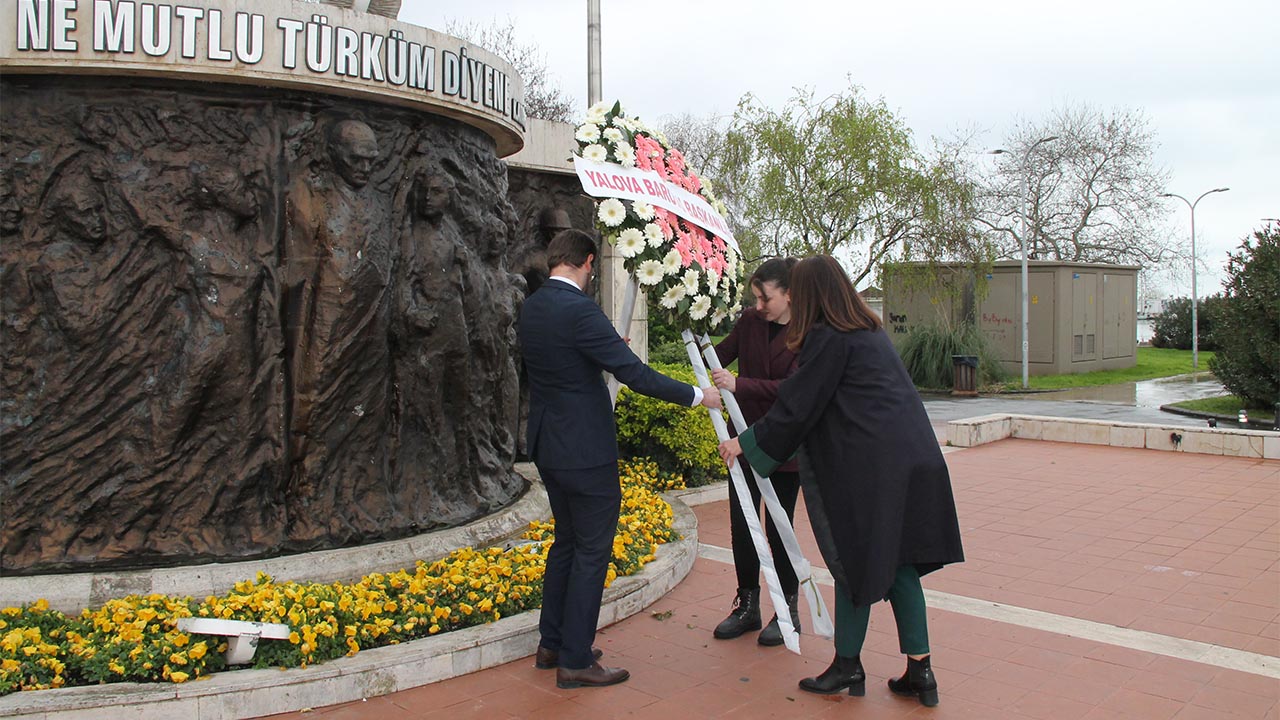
pixel 966 375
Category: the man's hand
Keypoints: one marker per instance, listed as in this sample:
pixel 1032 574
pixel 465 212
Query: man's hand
pixel 724 379
pixel 730 450
pixel 711 397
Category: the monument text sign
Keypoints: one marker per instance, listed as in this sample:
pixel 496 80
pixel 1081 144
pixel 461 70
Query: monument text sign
pixel 269 42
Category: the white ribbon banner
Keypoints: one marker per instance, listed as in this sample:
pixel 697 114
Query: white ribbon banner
pixel 615 181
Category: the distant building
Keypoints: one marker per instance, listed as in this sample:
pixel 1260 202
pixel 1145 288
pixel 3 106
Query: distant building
pixel 1081 316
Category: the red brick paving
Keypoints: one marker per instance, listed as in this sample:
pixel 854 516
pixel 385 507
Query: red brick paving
pixel 1176 544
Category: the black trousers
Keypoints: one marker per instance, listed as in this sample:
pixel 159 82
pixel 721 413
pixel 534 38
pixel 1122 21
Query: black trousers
pixel 585 504
pixel 745 560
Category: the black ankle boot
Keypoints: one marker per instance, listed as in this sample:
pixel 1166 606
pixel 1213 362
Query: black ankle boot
pixel 843 673
pixel 918 682
pixel 772 633
pixel 744 616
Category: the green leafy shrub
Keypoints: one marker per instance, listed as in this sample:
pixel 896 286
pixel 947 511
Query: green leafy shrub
pixel 1171 328
pixel 680 439
pixel 1248 322
pixel 669 353
pixel 927 351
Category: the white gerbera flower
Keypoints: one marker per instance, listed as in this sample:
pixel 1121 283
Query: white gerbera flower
pixel 672 296
pixel 718 316
pixel 612 212
pixel 588 132
pixel 625 155
pixel 671 262
pixel 644 211
pixel 700 307
pixel 623 121
pixel 595 153
pixel 653 234
pixel 649 272
pixel 630 243
pixel 613 134
pixel 690 281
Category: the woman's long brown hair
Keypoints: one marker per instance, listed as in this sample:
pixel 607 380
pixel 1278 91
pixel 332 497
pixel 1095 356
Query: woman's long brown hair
pixel 822 293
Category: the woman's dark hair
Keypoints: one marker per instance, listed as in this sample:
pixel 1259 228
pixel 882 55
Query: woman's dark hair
pixel 570 247
pixel 822 293
pixel 775 270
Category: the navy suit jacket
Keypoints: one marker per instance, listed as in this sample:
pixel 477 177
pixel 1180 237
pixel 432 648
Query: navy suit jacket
pixel 567 341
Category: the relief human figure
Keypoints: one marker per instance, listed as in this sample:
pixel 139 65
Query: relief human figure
pixel 338 270
pixel 433 367
pixel 227 370
pixel 491 300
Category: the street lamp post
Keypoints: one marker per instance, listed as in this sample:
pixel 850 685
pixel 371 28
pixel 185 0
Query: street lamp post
pixel 1195 325
pixel 1022 241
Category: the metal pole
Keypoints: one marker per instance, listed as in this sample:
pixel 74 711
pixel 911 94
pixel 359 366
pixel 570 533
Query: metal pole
pixel 1195 321
pixel 1195 325
pixel 1026 303
pixel 594 94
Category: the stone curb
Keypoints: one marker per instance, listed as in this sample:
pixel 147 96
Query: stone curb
pixel 72 592
pixel 379 671
pixel 984 429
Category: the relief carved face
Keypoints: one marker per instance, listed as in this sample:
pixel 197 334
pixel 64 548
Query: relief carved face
pixel 79 211
pixel 353 148
pixel 434 195
pixel 10 207
pixel 223 186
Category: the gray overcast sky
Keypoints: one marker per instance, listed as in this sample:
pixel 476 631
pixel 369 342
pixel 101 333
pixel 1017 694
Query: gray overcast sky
pixel 1206 74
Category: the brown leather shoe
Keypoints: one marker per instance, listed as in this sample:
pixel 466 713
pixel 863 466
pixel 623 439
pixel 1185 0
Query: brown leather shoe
pixel 594 676
pixel 548 659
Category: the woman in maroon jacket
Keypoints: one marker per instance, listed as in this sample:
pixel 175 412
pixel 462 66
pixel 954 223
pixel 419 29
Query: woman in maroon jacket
pixel 758 342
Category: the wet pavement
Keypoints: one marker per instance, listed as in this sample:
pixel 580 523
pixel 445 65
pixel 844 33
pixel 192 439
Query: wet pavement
pixel 1122 402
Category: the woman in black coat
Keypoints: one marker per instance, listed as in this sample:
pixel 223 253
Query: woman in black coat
pixel 875 483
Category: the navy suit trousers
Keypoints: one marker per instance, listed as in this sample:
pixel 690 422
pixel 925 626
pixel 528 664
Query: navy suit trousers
pixel 585 504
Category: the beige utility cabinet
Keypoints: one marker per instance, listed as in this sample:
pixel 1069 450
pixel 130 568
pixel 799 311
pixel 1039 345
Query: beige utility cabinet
pixel 1081 316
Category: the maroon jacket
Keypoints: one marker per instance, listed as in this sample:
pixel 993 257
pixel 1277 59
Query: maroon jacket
pixel 762 366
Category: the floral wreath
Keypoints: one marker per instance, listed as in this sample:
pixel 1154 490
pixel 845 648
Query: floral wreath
pixel 693 272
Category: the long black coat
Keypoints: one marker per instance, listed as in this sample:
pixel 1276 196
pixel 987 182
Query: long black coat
pixel 874 480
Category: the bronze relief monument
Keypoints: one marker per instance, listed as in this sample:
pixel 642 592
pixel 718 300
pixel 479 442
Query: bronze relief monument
pixel 240 320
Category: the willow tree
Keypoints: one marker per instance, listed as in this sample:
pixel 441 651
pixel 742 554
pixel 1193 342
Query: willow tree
pixel 842 176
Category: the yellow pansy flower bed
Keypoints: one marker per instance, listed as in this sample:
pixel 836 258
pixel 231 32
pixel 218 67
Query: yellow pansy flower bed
pixel 135 638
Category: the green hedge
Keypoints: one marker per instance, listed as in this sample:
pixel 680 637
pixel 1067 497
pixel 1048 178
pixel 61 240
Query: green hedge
pixel 679 439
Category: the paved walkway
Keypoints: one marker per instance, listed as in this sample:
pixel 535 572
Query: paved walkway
pixel 1100 583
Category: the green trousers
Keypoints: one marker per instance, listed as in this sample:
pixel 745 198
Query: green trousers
pixel 907 599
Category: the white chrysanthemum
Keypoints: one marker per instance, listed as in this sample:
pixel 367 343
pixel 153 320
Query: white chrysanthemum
pixel 630 243
pixel 588 132
pixel 700 307
pixel 690 281
pixel 625 155
pixel 649 272
pixel 672 296
pixel 643 210
pixel 653 234
pixel 595 153
pixel 613 134
pixel 671 262
pixel 718 316
pixel 612 212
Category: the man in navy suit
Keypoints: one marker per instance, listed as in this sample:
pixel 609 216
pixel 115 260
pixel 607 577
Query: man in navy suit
pixel 567 341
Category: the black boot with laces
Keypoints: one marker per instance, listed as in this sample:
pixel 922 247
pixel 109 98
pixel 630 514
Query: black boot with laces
pixel 772 634
pixel 744 617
